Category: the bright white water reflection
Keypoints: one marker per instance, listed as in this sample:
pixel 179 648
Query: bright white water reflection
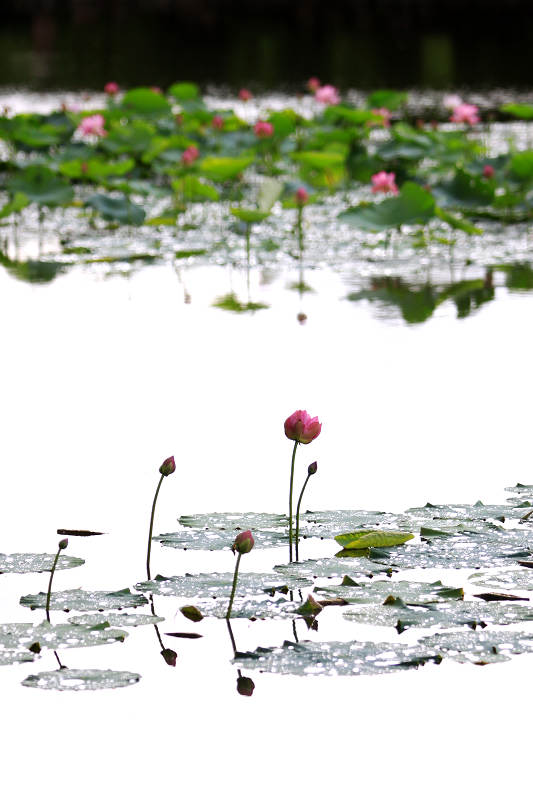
pixel 104 376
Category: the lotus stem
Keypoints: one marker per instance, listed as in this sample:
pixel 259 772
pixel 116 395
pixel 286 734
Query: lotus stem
pixel 296 540
pixel 233 588
pixel 290 499
pixel 62 545
pixel 151 529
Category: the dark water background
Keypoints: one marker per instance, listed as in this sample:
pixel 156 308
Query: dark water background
pixel 265 44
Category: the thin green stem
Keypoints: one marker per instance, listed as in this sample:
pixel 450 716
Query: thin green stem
pixel 300 231
pixel 248 227
pixel 151 528
pixel 231 636
pixel 54 565
pixel 298 517
pixel 290 500
pixel 228 614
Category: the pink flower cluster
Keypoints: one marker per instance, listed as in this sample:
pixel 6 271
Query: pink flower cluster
pixel 189 155
pixel 327 95
pixel 263 129
pixel 92 126
pixel 301 427
pixel 465 112
pixel 384 182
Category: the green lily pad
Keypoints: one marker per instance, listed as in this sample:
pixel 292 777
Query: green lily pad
pixel 78 680
pixel 24 634
pixel 42 186
pixel 36 562
pixel 378 591
pixel 218 584
pixel 145 101
pixel 8 657
pixel 80 600
pixel 361 569
pixel 249 215
pixel 117 209
pixel 361 540
pixel 482 646
pixel 218 530
pixel 413 205
pixel 506 580
pixel 224 168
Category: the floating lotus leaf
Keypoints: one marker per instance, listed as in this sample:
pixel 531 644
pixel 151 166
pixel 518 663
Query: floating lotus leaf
pixel 506 580
pixel 446 615
pixel 361 568
pixel 145 101
pixel 36 562
pixel 41 185
pixel 80 600
pixel 465 513
pixel 24 634
pixel 222 168
pixel 362 540
pixel 117 620
pixel 482 646
pixel 217 531
pixel 218 584
pixel 413 205
pixel 117 209
pixel 379 591
pixel 15 656
pixel 337 658
pixel 78 680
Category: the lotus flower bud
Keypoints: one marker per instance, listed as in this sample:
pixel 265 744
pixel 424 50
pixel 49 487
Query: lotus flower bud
pixel 243 543
pixel 170 656
pixel 245 686
pixel 301 427
pixel 111 88
pixel 312 468
pixel 301 197
pixel 168 466
pixel 488 171
pixel 245 95
pixel 313 84
pixel 63 544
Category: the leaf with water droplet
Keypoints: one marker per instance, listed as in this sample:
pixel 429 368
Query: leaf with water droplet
pixel 79 680
pixel 81 600
pixel 36 562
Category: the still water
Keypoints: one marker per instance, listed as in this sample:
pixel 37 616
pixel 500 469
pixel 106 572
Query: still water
pixel 107 370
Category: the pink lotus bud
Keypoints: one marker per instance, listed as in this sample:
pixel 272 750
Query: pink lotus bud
pixel 328 95
pixel 245 95
pixel 384 182
pixel 465 112
pixel 92 126
pixel 263 129
pixel 300 427
pixel 170 656
pixel 63 544
pixel 488 171
pixel 245 686
pixel 111 88
pixel 168 466
pixel 312 468
pixel 243 543
pixel 301 196
pixel 217 122
pixel 313 84
pixel 385 115
pixel 189 155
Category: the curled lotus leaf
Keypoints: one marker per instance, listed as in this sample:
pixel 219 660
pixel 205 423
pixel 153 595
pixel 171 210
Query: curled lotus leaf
pixel 78 680
pixel 36 562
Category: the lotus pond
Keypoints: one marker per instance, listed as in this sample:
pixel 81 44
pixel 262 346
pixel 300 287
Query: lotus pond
pixel 176 278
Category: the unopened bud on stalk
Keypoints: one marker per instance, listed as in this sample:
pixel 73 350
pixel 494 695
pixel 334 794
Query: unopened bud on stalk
pixel 243 543
pixel 312 468
pixel 63 544
pixel 168 466
pixel 245 686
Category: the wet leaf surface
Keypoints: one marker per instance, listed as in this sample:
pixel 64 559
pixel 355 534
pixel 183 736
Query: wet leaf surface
pixel 116 620
pixel 36 562
pixel 81 600
pixel 80 680
pixel 22 634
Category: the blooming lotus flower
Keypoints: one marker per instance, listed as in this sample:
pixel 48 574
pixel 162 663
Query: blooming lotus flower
pixel 313 84
pixel 385 115
pixel 465 112
pixel 217 122
pixel 190 155
pixel 301 197
pixel 245 95
pixel 92 126
pixel 300 427
pixel 243 543
pixel 488 171
pixel 263 129
pixel 111 88
pixel 451 101
pixel 168 466
pixel 384 182
pixel 327 95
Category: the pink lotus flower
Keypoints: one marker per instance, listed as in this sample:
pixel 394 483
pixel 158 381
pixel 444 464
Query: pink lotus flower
pixel 243 543
pixel 301 197
pixel 384 182
pixel 111 88
pixel 451 101
pixel 217 122
pixel 245 95
pixel 465 112
pixel 92 126
pixel 488 171
pixel 385 115
pixel 313 84
pixel 190 155
pixel 328 95
pixel 263 129
pixel 300 427
pixel 168 466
